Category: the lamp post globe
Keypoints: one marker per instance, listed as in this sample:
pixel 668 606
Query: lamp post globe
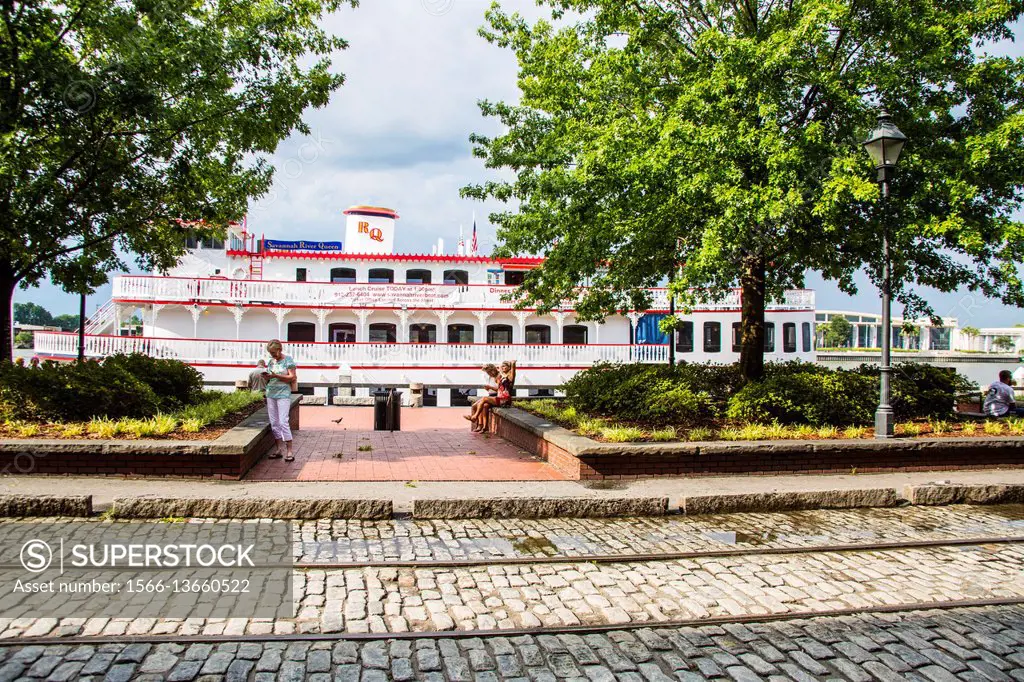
pixel 884 145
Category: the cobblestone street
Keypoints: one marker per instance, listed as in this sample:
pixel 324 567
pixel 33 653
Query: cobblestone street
pixel 431 608
pixel 964 644
pixel 480 539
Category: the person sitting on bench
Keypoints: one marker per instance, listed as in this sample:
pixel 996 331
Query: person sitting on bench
pixel 999 401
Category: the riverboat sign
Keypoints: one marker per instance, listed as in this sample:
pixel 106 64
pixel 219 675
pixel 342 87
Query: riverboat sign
pixel 277 245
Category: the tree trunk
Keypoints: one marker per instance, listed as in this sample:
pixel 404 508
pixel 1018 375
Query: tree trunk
pixel 7 285
pixel 752 319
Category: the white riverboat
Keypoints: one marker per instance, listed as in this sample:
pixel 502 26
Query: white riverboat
pixel 359 309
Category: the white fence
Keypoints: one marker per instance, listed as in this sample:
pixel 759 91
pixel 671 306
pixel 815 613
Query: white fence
pixel 328 294
pixel 214 351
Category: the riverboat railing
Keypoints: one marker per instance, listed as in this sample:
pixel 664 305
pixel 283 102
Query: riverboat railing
pixel 145 288
pixel 245 353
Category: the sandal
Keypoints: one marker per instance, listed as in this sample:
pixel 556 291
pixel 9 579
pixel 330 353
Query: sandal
pixel 274 455
pixel 289 458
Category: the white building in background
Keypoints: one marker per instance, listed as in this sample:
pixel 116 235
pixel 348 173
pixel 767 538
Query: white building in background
pixel 392 318
pixel 926 337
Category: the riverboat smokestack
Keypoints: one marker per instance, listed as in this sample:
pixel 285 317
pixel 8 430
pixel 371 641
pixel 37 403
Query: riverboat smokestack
pixel 369 229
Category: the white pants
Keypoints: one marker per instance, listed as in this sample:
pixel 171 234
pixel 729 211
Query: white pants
pixel 277 410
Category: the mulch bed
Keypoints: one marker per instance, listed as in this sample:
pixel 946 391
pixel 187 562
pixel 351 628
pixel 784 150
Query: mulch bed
pixel 210 432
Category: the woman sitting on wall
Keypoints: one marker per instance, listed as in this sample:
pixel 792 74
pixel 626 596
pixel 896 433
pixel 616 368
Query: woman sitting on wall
pixel 502 394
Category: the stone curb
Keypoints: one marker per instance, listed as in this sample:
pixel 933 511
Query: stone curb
pixel 539 508
pixel 792 501
pixel 942 494
pixel 45 505
pixel 250 508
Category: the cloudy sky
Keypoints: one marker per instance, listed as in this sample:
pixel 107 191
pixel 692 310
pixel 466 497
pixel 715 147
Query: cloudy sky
pixel 396 134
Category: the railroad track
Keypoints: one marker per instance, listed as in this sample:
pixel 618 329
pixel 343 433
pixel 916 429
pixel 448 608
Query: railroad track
pixel 660 556
pixel 905 607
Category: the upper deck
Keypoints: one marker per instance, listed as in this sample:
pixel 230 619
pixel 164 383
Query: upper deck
pixel 370 294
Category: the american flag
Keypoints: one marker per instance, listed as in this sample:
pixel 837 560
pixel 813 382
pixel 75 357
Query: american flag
pixel 472 243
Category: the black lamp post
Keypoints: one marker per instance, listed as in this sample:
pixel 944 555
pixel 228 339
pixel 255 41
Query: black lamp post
pixel 884 145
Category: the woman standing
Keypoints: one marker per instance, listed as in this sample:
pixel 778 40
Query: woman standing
pixel 280 374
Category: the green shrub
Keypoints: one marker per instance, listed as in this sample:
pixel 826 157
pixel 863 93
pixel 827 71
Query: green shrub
pixel 693 394
pixel 815 398
pixel 175 383
pixel 920 391
pixel 73 392
pixel 653 394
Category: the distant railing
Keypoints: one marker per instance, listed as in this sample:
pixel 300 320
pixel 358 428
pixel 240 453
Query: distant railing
pixel 244 353
pixel 139 288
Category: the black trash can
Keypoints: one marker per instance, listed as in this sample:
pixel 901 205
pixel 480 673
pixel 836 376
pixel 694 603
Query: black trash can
pixel 387 410
pixel 380 410
pixel 395 399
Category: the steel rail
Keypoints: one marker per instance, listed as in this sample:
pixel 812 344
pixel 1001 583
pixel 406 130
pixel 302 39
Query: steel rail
pixel 661 556
pixel 623 558
pixel 511 632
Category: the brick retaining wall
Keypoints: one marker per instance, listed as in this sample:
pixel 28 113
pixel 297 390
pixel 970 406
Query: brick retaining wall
pixel 585 459
pixel 228 457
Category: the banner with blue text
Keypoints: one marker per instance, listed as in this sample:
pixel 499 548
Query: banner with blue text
pixel 277 245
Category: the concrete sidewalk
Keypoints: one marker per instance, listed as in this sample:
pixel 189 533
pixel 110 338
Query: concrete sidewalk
pixel 402 494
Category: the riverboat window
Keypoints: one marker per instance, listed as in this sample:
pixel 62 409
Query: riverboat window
pixel 456 277
pixel 300 274
pixel 460 333
pixel 737 337
pixel 789 337
pixel 499 334
pixel 345 275
pixel 769 337
pixel 574 334
pixel 422 333
pixel 712 337
pixel 341 332
pixel 194 241
pixel 514 279
pixel 805 332
pixel 302 332
pixel 538 333
pixel 417 276
pixel 381 275
pixel 684 337
pixel 382 332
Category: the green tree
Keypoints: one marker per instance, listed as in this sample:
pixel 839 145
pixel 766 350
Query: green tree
pixel 66 322
pixel 1002 342
pixel 723 138
pixel 32 313
pixel 837 332
pixel 117 119
pixel 23 340
pixel 970 331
